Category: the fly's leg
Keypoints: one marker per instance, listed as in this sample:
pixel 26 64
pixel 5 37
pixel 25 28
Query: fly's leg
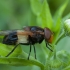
pixel 12 50
pixel 29 52
pixel 34 51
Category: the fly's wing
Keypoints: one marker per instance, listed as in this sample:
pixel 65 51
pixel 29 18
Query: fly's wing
pixel 14 37
pixel 6 32
pixel 19 32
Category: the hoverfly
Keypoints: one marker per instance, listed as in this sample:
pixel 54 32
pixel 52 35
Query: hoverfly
pixel 30 35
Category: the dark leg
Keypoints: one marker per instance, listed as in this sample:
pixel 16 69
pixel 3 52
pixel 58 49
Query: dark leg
pixel 49 44
pixel 34 51
pixel 12 50
pixel 29 52
pixel 48 47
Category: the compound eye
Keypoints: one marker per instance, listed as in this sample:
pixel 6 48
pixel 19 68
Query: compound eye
pixel 48 35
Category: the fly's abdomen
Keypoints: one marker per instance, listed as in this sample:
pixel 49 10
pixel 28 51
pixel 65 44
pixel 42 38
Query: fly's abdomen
pixel 10 39
pixel 23 39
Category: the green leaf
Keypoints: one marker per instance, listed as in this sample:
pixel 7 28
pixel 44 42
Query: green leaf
pixel 57 20
pixel 20 62
pixel 67 68
pixel 32 19
pixel 36 6
pixel 45 16
pixel 5 49
pixel 58 15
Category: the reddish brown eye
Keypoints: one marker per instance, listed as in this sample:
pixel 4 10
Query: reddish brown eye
pixel 48 35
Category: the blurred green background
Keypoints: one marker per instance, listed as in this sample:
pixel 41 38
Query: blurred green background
pixel 15 14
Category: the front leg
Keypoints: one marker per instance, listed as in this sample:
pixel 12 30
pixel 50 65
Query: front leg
pixel 12 50
pixel 48 47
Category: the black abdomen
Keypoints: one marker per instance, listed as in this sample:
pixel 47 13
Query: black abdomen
pixel 10 39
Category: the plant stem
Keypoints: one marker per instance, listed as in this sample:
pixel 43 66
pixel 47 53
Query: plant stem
pixel 60 37
pixel 54 53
